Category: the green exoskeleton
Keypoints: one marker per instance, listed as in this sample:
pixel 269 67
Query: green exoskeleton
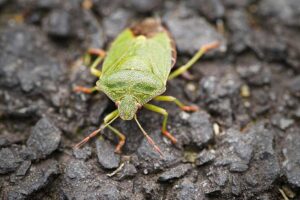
pixel 136 70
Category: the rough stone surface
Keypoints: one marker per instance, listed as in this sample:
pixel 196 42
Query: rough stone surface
pixel 9 160
pixel 174 173
pixel 213 10
pixel 144 6
pixel 200 130
pixel 57 23
pixel 106 155
pixel 44 138
pixel 83 153
pixel 205 157
pixel 200 31
pixel 38 178
pixel 292 158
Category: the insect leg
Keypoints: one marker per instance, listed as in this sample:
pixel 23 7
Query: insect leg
pixel 93 68
pixel 122 138
pixel 194 59
pixel 85 90
pixel 177 102
pixel 87 60
pixel 110 118
pixel 164 126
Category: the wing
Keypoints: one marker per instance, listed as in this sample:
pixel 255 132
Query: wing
pixel 155 51
pixel 120 48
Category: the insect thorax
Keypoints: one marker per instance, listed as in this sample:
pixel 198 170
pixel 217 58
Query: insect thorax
pixel 140 84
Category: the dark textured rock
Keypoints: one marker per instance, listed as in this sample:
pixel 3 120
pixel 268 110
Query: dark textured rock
pixel 109 192
pixel 294 86
pixel 238 167
pixel 264 157
pixel 237 4
pixel 106 155
pixel 57 23
pixel 220 177
pixel 150 160
pixel 214 88
pixel 77 170
pixel 150 188
pixel 9 160
pixel 116 22
pixel 205 157
pixel 291 152
pixel 39 177
pixel 175 173
pixel 47 4
pixel 285 12
pixel 282 122
pixel 44 139
pixel 107 7
pixel 22 170
pixel 200 129
pixel 4 142
pixel 255 74
pixel 83 153
pixel 128 171
pixel 210 9
pixel 210 188
pixel 186 190
pixel 268 47
pixel 239 26
pixel 200 31
pixel 144 6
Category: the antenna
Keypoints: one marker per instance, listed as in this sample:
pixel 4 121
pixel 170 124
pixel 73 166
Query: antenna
pixel 93 134
pixel 150 140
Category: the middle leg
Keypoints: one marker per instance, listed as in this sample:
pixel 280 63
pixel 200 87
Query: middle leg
pixel 177 102
pixel 164 125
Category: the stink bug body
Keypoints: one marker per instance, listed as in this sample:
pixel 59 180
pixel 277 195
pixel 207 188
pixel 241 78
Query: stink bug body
pixel 136 70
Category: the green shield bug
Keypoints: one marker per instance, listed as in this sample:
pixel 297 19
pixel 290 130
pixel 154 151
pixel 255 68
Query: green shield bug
pixel 135 70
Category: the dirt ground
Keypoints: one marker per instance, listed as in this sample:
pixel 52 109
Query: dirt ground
pixel 244 143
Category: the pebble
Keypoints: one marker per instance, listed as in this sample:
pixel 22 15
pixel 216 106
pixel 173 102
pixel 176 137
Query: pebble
pixel 212 10
pixel 128 171
pixel 77 169
pixel 291 149
pixel 205 156
pixel 175 173
pixel 144 6
pixel 238 167
pixel 294 86
pixel 38 178
pixel 107 157
pixel 9 160
pixel 24 167
pixel 200 132
pixel 58 23
pixel 282 122
pixel 200 32
pixel 82 153
pixel 44 139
